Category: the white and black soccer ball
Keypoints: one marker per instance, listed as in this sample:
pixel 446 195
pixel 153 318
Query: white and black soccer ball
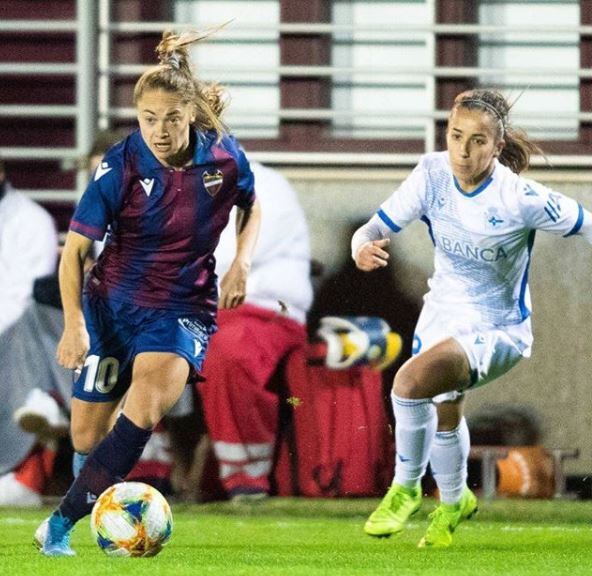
pixel 131 519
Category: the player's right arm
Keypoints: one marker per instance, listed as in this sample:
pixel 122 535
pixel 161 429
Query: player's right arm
pixel 406 204
pixel 97 209
pixel 74 343
pixel 368 243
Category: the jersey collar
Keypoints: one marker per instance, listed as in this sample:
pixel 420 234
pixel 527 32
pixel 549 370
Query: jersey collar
pixel 478 190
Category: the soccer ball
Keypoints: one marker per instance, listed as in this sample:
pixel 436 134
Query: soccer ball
pixel 131 519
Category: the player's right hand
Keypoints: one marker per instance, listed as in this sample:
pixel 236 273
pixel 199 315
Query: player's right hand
pixel 73 347
pixel 371 255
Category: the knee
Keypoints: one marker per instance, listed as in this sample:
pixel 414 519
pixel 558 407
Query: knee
pixel 154 413
pixel 406 384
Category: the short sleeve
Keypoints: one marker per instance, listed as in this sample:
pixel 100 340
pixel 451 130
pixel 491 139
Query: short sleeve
pixel 100 202
pixel 545 209
pixel 245 181
pixel 407 203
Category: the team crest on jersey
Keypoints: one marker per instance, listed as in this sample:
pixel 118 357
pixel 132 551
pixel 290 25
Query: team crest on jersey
pixel 492 218
pixel 212 182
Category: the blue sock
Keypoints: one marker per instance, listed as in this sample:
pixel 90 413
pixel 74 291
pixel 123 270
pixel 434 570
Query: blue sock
pixel 110 462
pixel 78 460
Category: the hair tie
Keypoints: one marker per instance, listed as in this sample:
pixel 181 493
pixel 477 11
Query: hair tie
pixel 487 106
pixel 173 60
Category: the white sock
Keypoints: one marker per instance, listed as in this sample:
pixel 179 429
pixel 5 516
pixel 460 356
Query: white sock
pixel 415 426
pixel 448 462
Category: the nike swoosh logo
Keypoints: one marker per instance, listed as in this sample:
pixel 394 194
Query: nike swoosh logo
pixel 101 170
pixel 403 458
pixel 147 184
pixel 90 498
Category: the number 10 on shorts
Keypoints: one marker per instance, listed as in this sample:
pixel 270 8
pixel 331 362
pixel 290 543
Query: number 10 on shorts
pixel 101 373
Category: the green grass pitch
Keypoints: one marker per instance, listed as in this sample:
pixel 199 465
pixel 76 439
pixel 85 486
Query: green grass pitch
pixel 310 537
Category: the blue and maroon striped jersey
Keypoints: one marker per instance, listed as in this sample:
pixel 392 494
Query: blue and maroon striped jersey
pixel 163 224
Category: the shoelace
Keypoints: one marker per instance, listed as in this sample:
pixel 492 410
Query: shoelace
pixel 395 503
pixel 440 520
pixel 398 501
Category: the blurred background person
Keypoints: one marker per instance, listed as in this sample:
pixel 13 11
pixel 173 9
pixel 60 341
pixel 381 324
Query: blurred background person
pixel 28 250
pixel 240 402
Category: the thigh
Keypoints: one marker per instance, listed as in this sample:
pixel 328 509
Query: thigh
pixel 158 380
pixel 167 332
pixel 490 351
pixel 493 352
pixel 105 376
pixel 442 368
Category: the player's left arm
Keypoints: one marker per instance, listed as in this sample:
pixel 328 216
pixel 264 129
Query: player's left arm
pixel 233 287
pixel 546 209
pixel 585 228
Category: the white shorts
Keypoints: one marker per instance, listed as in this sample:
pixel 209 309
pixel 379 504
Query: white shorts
pixel 491 350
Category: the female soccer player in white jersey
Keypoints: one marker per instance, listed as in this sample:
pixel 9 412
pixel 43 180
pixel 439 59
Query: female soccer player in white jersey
pixel 141 324
pixel 475 322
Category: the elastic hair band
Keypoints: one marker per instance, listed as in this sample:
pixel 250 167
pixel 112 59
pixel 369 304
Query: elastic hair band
pixel 486 105
pixel 173 60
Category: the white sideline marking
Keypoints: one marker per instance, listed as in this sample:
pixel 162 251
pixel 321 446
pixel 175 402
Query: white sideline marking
pixel 542 528
pixel 10 520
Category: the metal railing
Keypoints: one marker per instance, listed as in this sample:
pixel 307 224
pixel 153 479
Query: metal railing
pixel 94 69
pixel 240 117
pixel 84 110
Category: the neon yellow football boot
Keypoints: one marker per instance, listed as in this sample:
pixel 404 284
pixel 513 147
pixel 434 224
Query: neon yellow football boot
pixel 445 518
pixel 393 511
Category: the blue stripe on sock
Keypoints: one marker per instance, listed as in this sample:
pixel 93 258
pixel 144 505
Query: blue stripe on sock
pixel 411 402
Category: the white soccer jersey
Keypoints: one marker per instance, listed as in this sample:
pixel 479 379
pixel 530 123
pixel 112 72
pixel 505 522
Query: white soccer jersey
pixel 483 240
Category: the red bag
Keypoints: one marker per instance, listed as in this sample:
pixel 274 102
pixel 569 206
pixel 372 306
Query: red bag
pixel 336 439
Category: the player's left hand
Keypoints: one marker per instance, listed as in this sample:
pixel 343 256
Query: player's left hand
pixel 233 287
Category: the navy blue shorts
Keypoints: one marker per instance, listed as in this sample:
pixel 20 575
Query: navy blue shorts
pixel 119 331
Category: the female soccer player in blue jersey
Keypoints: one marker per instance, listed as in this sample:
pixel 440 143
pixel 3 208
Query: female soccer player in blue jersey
pixel 140 326
pixel 475 322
